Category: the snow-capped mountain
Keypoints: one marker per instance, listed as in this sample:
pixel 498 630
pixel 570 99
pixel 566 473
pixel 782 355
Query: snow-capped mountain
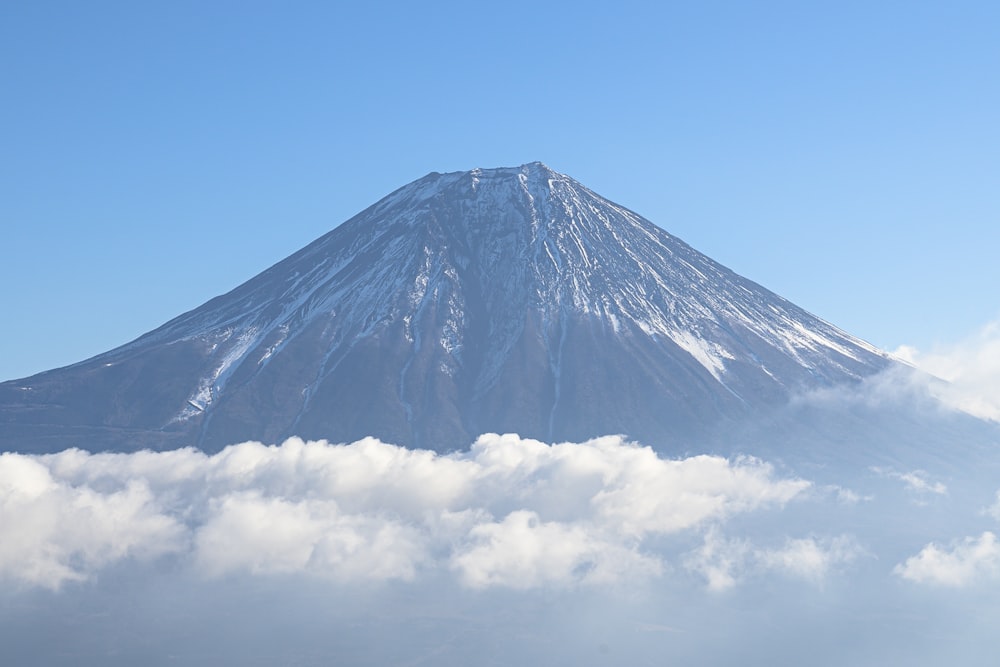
pixel 494 300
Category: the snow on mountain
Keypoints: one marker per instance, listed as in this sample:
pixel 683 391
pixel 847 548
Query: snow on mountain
pixel 510 299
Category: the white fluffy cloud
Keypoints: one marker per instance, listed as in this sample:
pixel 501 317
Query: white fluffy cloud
pixel 970 368
pixel 510 512
pixel 964 563
pixel 522 551
pixel 52 531
pixel 249 532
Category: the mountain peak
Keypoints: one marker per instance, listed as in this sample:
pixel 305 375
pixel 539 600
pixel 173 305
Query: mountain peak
pixel 535 168
pixel 537 174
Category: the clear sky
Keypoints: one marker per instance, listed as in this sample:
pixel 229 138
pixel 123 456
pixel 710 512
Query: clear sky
pixel 154 155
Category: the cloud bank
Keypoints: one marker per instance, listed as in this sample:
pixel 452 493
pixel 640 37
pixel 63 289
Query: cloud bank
pixel 510 512
pixel 513 552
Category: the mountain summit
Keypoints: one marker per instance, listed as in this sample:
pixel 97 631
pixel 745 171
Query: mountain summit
pixel 493 300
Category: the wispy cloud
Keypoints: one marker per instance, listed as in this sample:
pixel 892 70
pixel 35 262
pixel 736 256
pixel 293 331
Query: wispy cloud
pixel 994 509
pixel 811 558
pixel 916 481
pixel 970 368
pixel 725 562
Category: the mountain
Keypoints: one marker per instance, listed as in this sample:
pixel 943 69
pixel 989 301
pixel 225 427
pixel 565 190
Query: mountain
pixel 493 300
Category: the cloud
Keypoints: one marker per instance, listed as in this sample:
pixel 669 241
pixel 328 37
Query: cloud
pixel 52 531
pixel 725 562
pixel 994 509
pixel 970 368
pixel 964 563
pixel 510 512
pixel 811 558
pixel 251 533
pixel 521 551
pixel 844 495
pixel 514 551
pixel 720 560
pixel 916 481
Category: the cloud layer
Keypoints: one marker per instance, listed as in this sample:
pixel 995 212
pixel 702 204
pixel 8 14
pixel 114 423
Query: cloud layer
pixel 514 551
pixel 510 512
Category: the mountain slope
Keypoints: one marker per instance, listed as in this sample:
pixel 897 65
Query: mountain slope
pixel 492 300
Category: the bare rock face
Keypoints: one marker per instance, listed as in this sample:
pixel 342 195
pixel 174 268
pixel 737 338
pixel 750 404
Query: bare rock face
pixel 500 300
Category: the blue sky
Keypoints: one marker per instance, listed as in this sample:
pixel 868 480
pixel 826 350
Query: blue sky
pixel 154 155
